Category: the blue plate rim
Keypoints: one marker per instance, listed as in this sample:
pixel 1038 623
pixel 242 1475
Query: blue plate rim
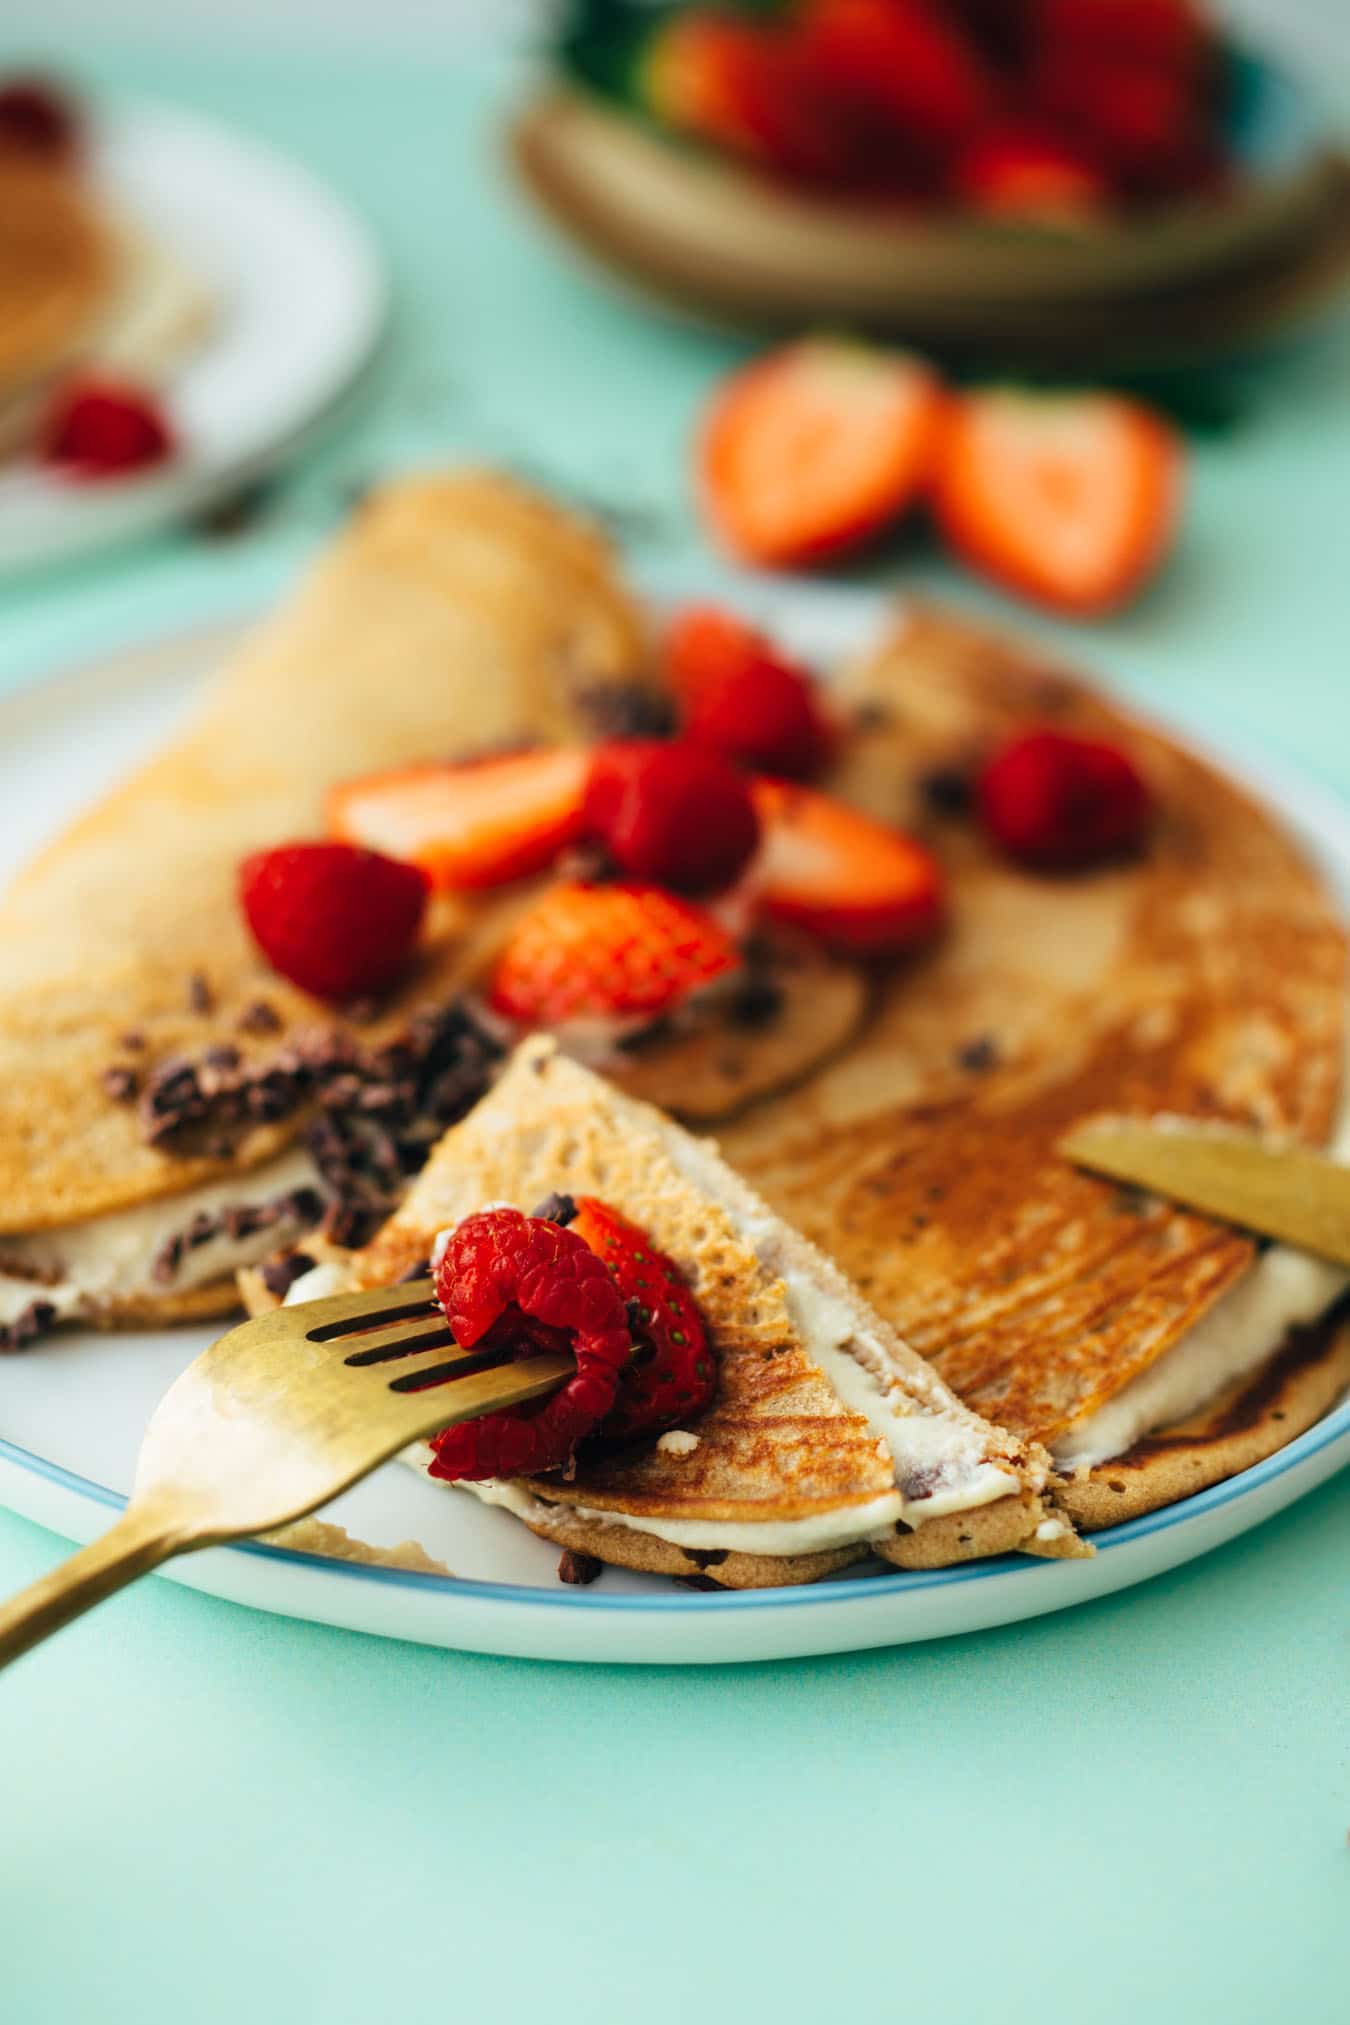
pixel 1332 1427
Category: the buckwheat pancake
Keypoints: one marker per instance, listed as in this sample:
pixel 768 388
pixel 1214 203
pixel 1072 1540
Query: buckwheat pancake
pixel 455 616
pixel 1207 978
pixel 828 1435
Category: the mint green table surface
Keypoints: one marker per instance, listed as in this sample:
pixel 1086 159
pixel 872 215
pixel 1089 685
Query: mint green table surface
pixel 1137 1810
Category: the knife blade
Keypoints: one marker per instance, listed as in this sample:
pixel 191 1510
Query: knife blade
pixel 1269 1187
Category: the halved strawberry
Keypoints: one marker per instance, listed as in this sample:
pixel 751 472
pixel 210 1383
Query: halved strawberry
pixel 607 952
pixel 672 1375
pixel 1072 499
pixel 469 823
pixel 861 887
pixel 1019 169
pixel 817 447
pixel 740 694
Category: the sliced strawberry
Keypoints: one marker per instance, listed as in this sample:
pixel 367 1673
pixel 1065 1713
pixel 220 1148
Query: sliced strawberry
pixel 742 695
pixel 1019 170
pixel 607 952
pixel 339 922
pixel 817 447
pixel 1071 499
pixel 859 886
pixel 672 812
pixel 671 1376
pixel 1060 802
pixel 472 823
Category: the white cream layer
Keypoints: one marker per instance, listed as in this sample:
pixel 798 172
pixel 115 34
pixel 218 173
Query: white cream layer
pixel 1243 1328
pixel 84 1268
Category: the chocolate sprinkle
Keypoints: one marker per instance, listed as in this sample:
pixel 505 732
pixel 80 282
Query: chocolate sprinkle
pixel 260 1018
pixel 280 1275
pixel 578 1569
pixel 556 1208
pixel 946 790
pixel 200 997
pixel 706 1557
pixel 32 1323
pixel 628 710
pixel 978 1055
pixel 300 1207
pixel 122 1085
pixel 133 1041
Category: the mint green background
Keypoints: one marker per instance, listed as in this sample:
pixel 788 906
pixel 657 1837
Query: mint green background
pixel 1136 1810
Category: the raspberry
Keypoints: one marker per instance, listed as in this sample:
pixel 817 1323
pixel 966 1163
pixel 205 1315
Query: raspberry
pixel 1057 801
pixel 521 1282
pixel 337 921
pixel 743 698
pixel 36 118
pixel 103 429
pixel 672 812
pixel 672 1376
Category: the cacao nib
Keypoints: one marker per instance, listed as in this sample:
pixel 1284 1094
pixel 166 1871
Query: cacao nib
pixel 556 1208
pixel 578 1569
pixel 32 1323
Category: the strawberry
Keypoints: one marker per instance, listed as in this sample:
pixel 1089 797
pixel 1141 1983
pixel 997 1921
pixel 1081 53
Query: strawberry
pixel 741 86
pixel 1071 499
pixel 469 823
pixel 513 1284
pixel 672 812
pixel 1019 169
pixel 816 448
pixel 1058 802
pixel 904 60
pixel 741 695
pixel 671 1376
pixel 607 952
pixel 861 887
pixel 103 428
pixel 339 922
pixel 1161 35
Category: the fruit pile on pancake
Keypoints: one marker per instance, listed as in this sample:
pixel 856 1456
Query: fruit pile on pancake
pixel 93 314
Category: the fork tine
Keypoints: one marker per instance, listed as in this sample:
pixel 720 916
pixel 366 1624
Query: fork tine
pixel 353 1314
pixel 482 1391
pixel 425 1331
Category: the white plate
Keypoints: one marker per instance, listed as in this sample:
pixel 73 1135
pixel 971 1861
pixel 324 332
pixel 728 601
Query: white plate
pixel 299 298
pixel 71 1414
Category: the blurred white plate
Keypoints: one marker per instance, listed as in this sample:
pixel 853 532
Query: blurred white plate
pixel 72 1413
pixel 299 297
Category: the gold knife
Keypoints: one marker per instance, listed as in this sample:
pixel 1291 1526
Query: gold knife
pixel 1267 1186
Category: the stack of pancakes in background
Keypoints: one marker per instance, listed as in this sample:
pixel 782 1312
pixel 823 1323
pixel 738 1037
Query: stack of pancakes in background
pixel 79 288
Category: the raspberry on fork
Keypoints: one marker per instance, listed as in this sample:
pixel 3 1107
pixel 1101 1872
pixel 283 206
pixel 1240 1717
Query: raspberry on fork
pixel 521 1283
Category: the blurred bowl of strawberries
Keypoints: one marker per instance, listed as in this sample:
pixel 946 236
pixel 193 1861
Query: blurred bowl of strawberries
pixel 1051 180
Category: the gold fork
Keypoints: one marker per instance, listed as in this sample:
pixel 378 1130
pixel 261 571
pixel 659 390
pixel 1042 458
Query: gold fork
pixel 273 1420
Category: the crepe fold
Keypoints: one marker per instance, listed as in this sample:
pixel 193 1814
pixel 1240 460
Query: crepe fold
pixel 1206 977
pixel 455 615
pixel 828 1436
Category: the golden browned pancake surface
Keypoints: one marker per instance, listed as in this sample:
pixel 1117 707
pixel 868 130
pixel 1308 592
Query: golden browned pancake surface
pixel 57 265
pixel 454 615
pixel 1206 978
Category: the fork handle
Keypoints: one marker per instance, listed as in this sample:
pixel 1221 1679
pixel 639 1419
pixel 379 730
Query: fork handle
pixel 140 1541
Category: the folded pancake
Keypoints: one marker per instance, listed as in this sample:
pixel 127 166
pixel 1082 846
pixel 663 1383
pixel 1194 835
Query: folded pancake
pixel 456 614
pixel 1206 978
pixel 828 1436
pixel 147 1051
